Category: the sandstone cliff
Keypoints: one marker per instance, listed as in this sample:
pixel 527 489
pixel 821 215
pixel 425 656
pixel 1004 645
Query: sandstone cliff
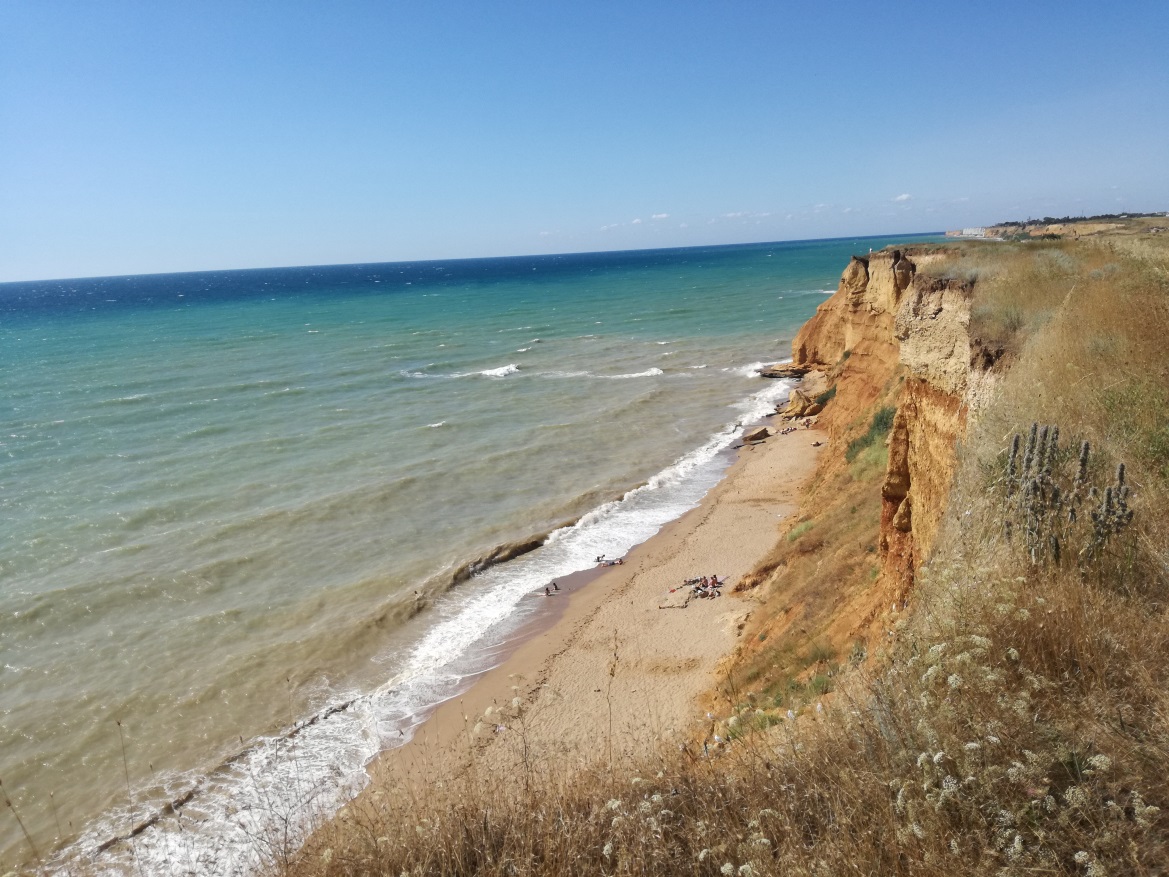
pixel 894 332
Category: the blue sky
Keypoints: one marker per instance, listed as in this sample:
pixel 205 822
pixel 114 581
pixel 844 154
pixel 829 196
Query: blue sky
pixel 176 136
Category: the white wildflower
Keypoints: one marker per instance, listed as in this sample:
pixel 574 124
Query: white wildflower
pixel 1076 797
pixel 922 759
pixel 643 807
pixel 938 756
pixel 1142 812
pixel 728 869
pixel 1095 869
pixel 1100 763
pixel 918 831
pixel 656 798
pixel 614 804
pixel 1013 655
pixel 991 738
pixel 702 855
pixel 972 746
pixel 635 781
pixel 979 641
pixel 930 673
pixel 950 785
pixel 1016 849
pixel 746 871
pixel 617 820
pixel 607 852
pixel 954 681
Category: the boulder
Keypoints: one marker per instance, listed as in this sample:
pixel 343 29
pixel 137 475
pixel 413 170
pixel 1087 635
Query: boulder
pixel 757 435
pixel 797 405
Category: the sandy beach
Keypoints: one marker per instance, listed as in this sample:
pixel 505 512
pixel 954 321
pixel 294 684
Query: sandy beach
pixel 626 649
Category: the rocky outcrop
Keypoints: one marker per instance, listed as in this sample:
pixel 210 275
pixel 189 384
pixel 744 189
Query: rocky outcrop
pixel 783 370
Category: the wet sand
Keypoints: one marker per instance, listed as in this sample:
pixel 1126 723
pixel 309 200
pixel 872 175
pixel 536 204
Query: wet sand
pixel 626 649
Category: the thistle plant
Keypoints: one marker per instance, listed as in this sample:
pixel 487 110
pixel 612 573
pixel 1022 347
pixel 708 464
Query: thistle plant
pixel 1046 504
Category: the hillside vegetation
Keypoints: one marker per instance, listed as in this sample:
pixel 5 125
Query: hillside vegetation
pixel 1003 710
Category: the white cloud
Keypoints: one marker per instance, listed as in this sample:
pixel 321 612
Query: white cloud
pixel 683 225
pixel 661 216
pixel 636 222
pixel 905 197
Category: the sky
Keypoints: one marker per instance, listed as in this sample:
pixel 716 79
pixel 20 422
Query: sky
pixel 142 137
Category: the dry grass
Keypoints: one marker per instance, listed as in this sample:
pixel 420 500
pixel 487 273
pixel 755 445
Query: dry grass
pixel 1015 723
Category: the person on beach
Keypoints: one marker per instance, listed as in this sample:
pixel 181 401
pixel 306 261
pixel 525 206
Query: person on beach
pixel 547 593
pixel 555 587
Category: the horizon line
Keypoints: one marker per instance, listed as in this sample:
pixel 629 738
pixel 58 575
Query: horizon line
pixel 4 283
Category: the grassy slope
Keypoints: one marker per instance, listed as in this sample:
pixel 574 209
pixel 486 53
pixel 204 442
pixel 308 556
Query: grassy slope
pixel 1016 723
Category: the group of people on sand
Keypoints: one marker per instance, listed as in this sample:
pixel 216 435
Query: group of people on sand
pixel 707 588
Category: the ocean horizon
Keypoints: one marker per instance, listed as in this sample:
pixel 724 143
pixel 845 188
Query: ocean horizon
pixel 244 506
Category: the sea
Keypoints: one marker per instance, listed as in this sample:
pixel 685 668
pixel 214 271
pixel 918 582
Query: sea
pixel 242 512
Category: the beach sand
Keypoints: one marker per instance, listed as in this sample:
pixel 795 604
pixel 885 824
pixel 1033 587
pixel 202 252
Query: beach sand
pixel 619 649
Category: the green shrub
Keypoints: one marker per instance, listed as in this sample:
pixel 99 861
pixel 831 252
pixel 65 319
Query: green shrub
pixel 799 530
pixel 878 429
pixel 826 397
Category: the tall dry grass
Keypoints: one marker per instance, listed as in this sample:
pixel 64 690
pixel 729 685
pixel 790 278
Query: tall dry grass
pixel 1013 723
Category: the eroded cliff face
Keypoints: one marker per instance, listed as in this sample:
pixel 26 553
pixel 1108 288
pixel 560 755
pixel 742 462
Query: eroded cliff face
pixel 892 330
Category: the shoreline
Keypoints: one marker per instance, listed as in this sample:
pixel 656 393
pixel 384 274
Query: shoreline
pixel 617 648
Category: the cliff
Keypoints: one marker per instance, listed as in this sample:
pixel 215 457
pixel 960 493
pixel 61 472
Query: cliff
pixel 893 332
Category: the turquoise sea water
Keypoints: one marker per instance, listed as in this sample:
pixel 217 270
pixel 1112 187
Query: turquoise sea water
pixel 222 491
